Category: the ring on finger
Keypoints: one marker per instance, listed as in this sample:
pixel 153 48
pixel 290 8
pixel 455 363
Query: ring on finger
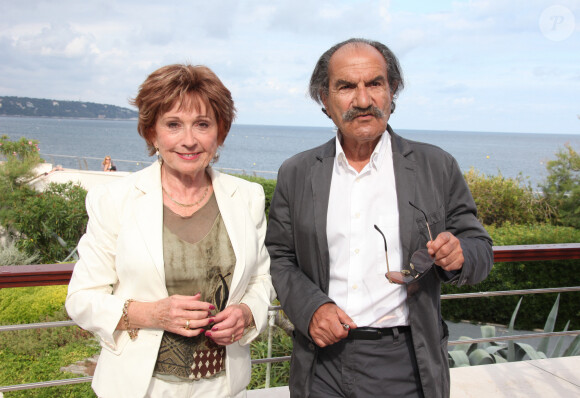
pixel 233 336
pixel 187 324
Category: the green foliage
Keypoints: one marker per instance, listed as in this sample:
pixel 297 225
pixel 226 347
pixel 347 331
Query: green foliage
pixel 20 158
pixel 500 200
pixel 522 275
pixel 10 255
pixel 30 304
pixel 268 185
pixel 35 355
pixel 511 234
pixel 562 188
pixel 281 346
pixel 49 223
pixel 45 365
pixel 471 354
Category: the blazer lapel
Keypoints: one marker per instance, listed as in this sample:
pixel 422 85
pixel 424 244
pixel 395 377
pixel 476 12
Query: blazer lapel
pixel 405 181
pixel 321 179
pixel 148 214
pixel 234 217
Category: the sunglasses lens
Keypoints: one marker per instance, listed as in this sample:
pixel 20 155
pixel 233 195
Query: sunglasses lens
pixel 421 260
pixel 398 277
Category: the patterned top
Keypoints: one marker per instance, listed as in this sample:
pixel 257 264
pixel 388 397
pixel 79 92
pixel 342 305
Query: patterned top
pixel 198 257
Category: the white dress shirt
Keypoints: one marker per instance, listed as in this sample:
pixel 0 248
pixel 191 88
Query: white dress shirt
pixel 357 202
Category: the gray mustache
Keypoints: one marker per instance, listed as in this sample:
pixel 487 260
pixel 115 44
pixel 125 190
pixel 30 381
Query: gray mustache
pixel 352 113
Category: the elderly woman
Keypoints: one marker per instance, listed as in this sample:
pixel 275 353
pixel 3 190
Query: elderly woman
pixel 173 275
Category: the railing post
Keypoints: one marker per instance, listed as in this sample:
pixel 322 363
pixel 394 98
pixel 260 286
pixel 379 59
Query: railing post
pixel 271 315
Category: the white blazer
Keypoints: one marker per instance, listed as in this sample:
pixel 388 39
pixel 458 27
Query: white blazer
pixel 121 257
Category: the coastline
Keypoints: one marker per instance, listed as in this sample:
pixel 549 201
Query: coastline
pixel 70 118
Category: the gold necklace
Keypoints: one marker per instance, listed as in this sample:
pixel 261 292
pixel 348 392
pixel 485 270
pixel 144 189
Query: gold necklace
pixel 184 204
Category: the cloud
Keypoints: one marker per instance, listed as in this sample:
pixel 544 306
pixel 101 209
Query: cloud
pixel 463 101
pixel 484 56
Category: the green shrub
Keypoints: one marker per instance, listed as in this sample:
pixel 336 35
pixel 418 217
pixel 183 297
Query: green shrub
pixel 500 200
pixel 562 187
pixel 268 185
pixel 45 365
pixel 279 372
pixel 10 255
pixel 470 354
pixel 29 356
pixel 522 275
pixel 49 223
pixel 30 304
pixel 20 159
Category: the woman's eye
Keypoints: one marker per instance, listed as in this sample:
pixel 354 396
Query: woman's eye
pixel 204 124
pixel 172 125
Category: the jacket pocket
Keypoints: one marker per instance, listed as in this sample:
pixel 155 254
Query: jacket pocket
pixel 436 221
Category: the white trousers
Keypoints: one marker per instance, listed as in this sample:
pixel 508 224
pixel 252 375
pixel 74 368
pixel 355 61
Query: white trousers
pixel 204 388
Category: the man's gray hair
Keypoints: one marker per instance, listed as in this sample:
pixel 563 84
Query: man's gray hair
pixel 319 80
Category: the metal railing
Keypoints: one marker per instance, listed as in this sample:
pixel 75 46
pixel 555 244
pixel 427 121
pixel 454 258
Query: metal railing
pixel 59 274
pixel 94 163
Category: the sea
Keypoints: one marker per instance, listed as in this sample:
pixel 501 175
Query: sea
pixel 260 150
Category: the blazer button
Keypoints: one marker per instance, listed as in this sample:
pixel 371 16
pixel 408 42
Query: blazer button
pixel 311 346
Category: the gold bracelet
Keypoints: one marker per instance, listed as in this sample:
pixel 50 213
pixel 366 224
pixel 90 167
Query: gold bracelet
pixel 132 332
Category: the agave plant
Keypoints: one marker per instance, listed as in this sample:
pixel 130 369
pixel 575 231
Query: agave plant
pixel 471 354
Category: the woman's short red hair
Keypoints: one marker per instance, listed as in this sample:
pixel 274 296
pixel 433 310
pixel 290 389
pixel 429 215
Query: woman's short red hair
pixel 179 84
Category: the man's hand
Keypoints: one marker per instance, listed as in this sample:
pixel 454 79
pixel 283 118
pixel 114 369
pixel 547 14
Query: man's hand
pixel 326 326
pixel 447 252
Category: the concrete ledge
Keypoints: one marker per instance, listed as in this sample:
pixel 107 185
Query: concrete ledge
pixel 274 392
pixel 46 174
pixel 554 377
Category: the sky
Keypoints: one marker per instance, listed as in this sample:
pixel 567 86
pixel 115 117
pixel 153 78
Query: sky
pixel 479 65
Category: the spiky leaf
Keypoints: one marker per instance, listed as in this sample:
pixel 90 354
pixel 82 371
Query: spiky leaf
pixel 511 356
pixel 573 348
pixel 458 359
pixel 480 357
pixel 549 326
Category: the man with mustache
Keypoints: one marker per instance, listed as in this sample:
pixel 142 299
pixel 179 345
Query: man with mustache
pixel 362 231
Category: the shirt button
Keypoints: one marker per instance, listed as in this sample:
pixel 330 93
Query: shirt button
pixel 355 286
pixel 356 251
pixel 357 215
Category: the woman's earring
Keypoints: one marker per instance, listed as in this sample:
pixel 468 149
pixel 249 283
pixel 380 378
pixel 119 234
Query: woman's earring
pixel 159 158
pixel 215 158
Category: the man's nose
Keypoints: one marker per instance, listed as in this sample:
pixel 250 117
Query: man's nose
pixel 362 98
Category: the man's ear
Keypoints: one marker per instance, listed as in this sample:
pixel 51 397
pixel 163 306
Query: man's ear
pixel 324 98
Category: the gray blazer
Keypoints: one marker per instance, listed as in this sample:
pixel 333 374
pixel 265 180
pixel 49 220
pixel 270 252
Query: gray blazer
pixel 296 241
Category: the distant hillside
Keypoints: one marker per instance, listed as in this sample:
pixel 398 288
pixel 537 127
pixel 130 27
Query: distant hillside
pixel 23 106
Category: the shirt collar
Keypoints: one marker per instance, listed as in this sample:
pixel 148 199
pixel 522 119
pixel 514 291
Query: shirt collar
pixel 377 157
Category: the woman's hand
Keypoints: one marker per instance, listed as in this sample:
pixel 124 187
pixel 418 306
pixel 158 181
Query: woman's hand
pixel 184 315
pixel 229 324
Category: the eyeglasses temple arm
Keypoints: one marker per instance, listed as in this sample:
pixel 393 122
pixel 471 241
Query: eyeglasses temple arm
pixel 384 240
pixel 426 222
